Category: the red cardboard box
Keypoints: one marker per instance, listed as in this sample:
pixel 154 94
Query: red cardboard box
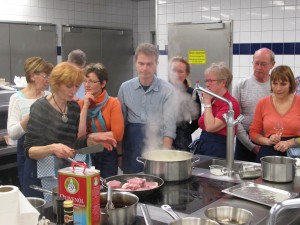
pixel 81 185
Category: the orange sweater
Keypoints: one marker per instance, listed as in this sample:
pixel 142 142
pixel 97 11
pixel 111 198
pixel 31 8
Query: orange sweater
pixel 112 115
pixel 266 116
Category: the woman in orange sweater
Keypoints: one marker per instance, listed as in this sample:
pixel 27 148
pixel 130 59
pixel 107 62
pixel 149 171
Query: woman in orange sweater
pixel 276 121
pixel 101 113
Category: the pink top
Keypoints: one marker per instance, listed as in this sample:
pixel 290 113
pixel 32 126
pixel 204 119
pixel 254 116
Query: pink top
pixel 266 116
pixel 218 109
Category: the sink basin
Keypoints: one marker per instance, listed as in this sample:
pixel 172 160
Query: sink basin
pixel 205 162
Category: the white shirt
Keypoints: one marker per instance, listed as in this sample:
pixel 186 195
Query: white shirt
pixel 18 108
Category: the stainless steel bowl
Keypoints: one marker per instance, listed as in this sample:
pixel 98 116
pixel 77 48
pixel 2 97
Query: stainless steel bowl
pixel 229 215
pixel 37 203
pixel 193 221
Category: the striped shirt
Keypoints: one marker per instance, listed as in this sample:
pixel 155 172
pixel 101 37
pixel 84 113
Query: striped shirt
pixel 46 127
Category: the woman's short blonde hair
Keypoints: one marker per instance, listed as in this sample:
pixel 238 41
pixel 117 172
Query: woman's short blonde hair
pixel 36 65
pixel 65 73
pixel 221 71
pixel 284 73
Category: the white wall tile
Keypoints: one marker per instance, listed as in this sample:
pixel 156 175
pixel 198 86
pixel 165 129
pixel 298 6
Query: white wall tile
pixel 278 12
pixel 289 11
pixel 245 4
pixel 245 25
pixel 277 36
pixel 225 4
pixel 255 37
pixel 255 3
pixel 245 60
pixel 245 37
pixel 255 25
pixel 289 24
pixel 289 36
pixel 278 24
pixel 289 60
pixel 266 12
pixel 267 25
pixel 256 13
pixel 266 36
pixel 245 14
pixel 235 4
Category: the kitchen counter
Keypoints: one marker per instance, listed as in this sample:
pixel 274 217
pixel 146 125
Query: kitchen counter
pixel 190 198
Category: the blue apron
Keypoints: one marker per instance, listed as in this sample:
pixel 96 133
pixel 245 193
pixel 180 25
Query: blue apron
pixel 133 144
pixel 30 178
pixel 20 160
pixel 270 151
pixel 212 144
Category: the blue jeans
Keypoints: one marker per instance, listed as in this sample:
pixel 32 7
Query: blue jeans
pixel 106 162
pixel 211 144
pixel 133 144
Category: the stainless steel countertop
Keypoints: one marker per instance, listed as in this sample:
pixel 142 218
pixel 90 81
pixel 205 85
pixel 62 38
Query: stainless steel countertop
pixel 260 212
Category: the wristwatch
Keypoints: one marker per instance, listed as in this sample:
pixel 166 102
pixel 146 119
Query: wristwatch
pixel 207 106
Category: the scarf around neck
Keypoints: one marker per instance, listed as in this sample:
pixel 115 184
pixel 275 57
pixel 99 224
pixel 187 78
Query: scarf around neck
pixel 95 112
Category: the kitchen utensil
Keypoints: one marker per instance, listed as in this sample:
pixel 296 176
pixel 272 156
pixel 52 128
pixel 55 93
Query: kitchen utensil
pixel 261 194
pixel 229 215
pixel 140 193
pixel 186 220
pixel 125 210
pixel 278 168
pixel 248 170
pixel 146 214
pixel 90 149
pixel 54 194
pixel 109 204
pixel 170 165
pixel 218 170
pixel 38 204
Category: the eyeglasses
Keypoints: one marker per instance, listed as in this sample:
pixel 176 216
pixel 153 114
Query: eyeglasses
pixel 211 80
pixel 91 81
pixel 45 76
pixel 262 64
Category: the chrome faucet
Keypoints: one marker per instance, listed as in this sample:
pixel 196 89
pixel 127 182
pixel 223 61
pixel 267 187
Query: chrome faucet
pixel 279 207
pixel 229 118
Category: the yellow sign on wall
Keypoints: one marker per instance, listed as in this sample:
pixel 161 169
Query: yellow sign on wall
pixel 197 56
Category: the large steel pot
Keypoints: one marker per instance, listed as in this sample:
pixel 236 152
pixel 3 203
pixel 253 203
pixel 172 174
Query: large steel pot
pixel 278 168
pixel 170 165
pixel 125 209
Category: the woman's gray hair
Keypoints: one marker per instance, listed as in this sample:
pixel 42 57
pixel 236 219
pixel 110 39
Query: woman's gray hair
pixel 221 71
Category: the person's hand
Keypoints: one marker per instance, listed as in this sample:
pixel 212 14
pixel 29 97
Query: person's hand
pixel 62 151
pixel 105 138
pixel 274 139
pixel 88 99
pixel 256 149
pixel 207 98
pixel 283 146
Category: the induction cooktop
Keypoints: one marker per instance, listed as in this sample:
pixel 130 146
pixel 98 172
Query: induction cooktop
pixel 188 196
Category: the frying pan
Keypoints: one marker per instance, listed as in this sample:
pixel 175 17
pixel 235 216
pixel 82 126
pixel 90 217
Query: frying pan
pixel 141 194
